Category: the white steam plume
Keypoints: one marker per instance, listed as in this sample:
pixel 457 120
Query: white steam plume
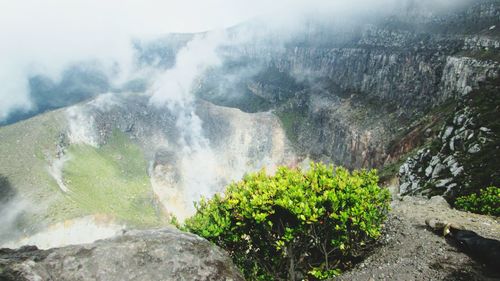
pixel 174 89
pixel 10 212
pixel 76 231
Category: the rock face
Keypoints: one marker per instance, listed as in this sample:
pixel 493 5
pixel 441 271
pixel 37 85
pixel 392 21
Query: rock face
pixel 166 254
pixel 349 93
pixel 464 156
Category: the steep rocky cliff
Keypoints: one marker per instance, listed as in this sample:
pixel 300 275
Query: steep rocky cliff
pixel 464 157
pixel 346 95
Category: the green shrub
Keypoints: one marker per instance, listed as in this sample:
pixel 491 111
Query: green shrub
pixel 487 202
pixel 294 224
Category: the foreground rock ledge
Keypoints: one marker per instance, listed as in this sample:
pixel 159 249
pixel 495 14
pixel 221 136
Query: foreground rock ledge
pixel 166 254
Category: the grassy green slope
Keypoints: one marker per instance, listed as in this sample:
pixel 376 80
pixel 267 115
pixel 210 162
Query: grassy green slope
pixel 25 148
pixel 112 180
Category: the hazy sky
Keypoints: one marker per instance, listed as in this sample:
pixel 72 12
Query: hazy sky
pixel 129 15
pixel 44 36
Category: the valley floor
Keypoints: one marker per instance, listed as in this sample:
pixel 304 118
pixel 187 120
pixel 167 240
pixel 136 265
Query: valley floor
pixel 410 251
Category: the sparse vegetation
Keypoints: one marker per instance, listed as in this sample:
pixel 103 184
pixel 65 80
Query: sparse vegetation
pixel 483 167
pixel 295 223
pixel 112 180
pixel 486 202
pixel 483 54
pixel 291 122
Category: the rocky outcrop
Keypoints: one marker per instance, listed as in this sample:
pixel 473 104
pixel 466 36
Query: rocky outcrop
pixel 396 69
pixel 337 130
pixel 462 74
pixel 482 42
pixel 463 158
pixel 166 254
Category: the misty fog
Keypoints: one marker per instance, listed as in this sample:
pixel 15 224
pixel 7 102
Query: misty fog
pixel 44 42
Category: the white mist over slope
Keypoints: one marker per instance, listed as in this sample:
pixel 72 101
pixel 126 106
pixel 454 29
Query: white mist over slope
pixel 44 37
pixel 202 167
pixel 77 231
pixel 10 212
pixel 173 89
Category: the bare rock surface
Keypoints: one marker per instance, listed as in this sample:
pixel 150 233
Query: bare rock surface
pixel 165 254
pixel 411 251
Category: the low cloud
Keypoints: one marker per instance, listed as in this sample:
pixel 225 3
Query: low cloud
pixel 47 37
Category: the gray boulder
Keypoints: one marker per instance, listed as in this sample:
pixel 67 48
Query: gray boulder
pixel 166 254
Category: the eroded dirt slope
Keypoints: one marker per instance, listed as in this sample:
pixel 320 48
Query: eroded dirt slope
pixel 411 251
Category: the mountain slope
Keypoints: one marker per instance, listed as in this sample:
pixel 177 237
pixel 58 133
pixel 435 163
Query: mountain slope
pixel 120 158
